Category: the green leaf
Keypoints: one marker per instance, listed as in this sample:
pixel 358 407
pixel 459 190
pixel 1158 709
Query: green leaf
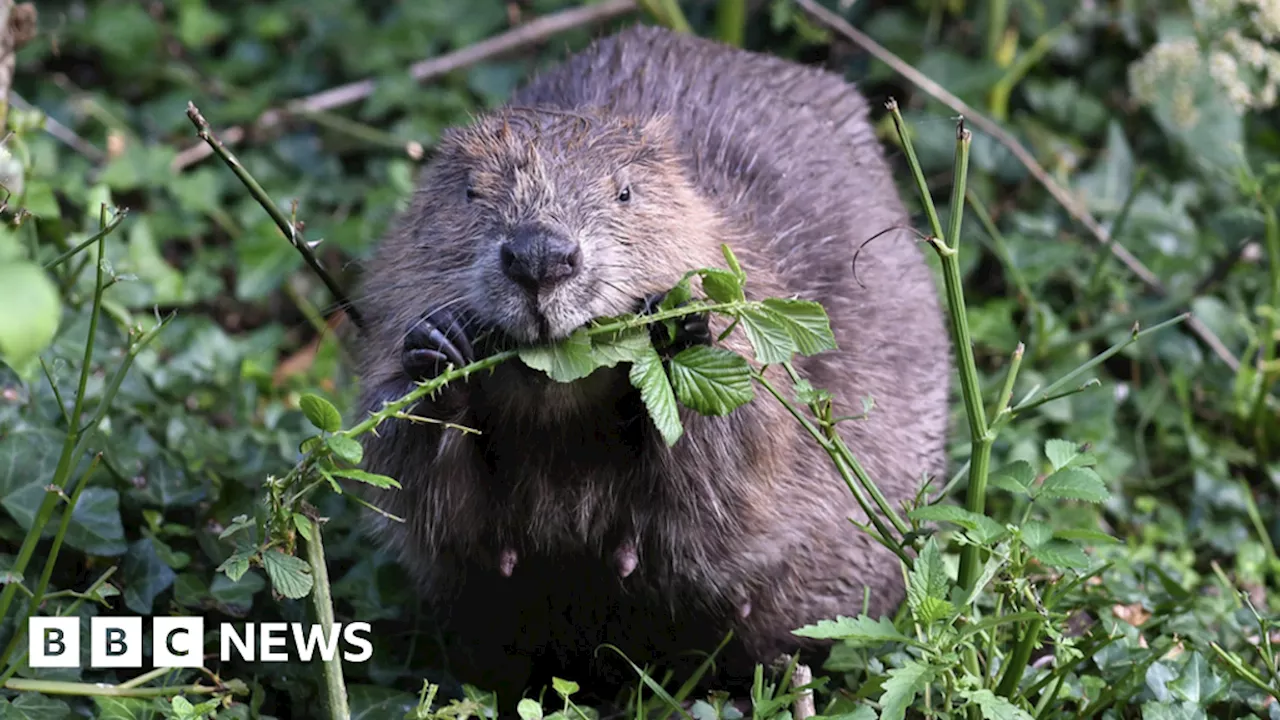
pixel 1085 534
pixel 1075 484
pixel 321 413
pixel 236 594
pixel 986 529
pixel 95 526
pixel 33 706
pixel 564 688
pixel 304 525
pixel 32 308
pixel 1173 711
pixel 529 709
pixel 658 397
pixel 1060 452
pixel 1198 682
pixel 237 565
pixel 113 708
pixel 994 707
pixel 28 459
pixel 901 688
pixel 928 578
pixel 371 702
pixel 571 359
pixel 1016 477
pixel 722 286
pixel 806 322
pixel 624 346
pixel 768 335
pixel 1036 533
pixel 144 576
pixel 238 523
pixel 347 448
pixel 368 478
pixel 290 576
pixel 861 631
pixel 712 381
pixel 1062 554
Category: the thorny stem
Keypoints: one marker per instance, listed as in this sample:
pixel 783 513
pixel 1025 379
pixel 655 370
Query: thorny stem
pixel 335 688
pixel 288 227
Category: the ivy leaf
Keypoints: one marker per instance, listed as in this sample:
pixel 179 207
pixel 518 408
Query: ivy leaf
pixel 1075 484
pixel 901 688
pixel 656 393
pixel 571 359
pixel 34 706
pixel 994 707
pixel 712 381
pixel 860 631
pixel 806 322
pixel 290 576
pixel 321 413
pixel 347 448
pixel 368 478
pixel 1198 683
pixel 144 576
pixel 95 526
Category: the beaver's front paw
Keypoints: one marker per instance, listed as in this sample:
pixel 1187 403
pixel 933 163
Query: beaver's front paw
pixel 691 330
pixel 433 343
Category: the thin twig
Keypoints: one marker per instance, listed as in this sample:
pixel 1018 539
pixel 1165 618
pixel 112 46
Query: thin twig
pixel 290 229
pixel 1059 193
pixel 532 32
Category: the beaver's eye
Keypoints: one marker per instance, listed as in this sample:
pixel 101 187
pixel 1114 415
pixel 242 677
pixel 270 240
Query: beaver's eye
pixel 625 195
pixel 471 193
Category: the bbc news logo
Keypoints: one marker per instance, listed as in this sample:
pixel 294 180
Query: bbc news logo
pixel 117 642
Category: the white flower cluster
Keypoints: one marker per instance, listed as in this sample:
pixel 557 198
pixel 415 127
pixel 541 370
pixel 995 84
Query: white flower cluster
pixel 1243 69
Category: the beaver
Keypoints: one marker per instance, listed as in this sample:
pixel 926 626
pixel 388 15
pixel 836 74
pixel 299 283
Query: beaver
pixel 566 522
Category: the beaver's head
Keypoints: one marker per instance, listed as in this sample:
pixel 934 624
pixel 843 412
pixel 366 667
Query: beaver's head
pixel 537 221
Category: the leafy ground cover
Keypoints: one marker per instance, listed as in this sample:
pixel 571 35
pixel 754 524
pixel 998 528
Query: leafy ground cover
pixel 1108 553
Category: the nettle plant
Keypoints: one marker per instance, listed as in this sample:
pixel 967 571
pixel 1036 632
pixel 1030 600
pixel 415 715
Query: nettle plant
pixel 962 642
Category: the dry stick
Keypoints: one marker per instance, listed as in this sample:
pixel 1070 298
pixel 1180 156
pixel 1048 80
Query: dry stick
pixel 291 231
pixel 1059 193
pixel 532 32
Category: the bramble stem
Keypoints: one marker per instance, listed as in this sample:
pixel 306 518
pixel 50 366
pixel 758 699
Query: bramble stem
pixel 335 688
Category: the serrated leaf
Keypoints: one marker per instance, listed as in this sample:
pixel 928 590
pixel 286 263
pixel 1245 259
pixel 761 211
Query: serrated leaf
pixel 570 359
pixel 807 323
pixel 368 478
pixel 1016 477
pixel 712 381
pixel 659 399
pixel 928 577
pixel 236 565
pixel 347 448
pixel 859 631
pixel 1036 533
pixel 901 688
pixel 1061 554
pixel 304 525
pixel 290 576
pixel 321 413
pixel 1060 452
pixel 1198 682
pixel 984 527
pixel 994 707
pixel 238 523
pixel 722 286
pixel 769 337
pixel 933 609
pixel 624 346
pixel 1075 484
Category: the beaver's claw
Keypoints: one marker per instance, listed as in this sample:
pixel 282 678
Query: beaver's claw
pixel 691 330
pixel 434 342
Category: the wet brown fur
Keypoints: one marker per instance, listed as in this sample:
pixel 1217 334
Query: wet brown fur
pixel 779 161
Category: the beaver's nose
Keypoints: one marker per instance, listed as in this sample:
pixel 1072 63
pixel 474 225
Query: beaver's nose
pixel 538 257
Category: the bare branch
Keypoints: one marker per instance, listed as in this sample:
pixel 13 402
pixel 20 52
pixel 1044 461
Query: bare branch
pixel 528 34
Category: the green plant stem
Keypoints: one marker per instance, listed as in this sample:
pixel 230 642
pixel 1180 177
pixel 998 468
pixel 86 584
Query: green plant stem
pixel 731 22
pixel 1017 661
pixel 997 19
pixel 322 601
pixel 1003 88
pixel 96 237
pixel 63 470
pixel 1267 339
pixel 290 230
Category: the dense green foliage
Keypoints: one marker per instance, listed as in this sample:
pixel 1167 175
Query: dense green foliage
pixel 1137 513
